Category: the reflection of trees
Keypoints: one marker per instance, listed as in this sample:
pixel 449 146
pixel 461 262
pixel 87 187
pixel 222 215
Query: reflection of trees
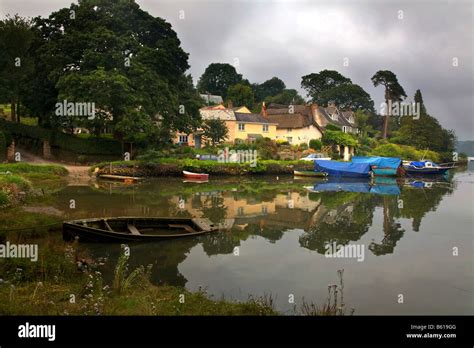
pixel 345 217
pixel 220 243
pixel 417 202
pixel 214 209
pixel 392 230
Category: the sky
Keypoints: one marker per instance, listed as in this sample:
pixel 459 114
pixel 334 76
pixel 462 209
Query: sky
pixel 427 44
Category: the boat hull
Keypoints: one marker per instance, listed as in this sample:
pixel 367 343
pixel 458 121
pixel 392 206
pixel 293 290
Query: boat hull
pixel 115 229
pixel 385 171
pixel 197 176
pixel 425 171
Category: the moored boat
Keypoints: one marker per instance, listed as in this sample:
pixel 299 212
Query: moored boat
pixel 425 168
pixel 381 166
pixel 309 173
pixel 199 176
pixel 346 169
pixel 135 229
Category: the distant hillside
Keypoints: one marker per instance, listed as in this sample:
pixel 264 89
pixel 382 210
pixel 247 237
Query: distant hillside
pixel 466 146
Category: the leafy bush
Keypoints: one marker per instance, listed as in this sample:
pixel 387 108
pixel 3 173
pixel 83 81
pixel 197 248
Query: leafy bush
pixel 303 147
pixel 333 127
pixel 404 152
pixel 315 144
pixel 332 137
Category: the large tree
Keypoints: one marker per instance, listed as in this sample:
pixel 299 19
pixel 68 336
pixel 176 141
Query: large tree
pixel 425 132
pixel 287 96
pixel 347 96
pixel 16 62
pixel 140 55
pixel 394 92
pixel 269 88
pixel 240 95
pixel 217 78
pixel 215 130
pixel 317 83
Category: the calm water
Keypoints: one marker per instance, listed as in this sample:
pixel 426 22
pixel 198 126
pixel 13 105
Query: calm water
pixel 407 230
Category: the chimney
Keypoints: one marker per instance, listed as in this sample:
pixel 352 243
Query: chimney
pixel 229 104
pixel 264 110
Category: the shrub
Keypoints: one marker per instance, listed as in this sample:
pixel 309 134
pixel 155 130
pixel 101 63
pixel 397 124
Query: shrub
pixel 404 152
pixel 303 147
pixel 315 144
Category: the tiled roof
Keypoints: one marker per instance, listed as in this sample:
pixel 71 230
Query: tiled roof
pixel 210 112
pixel 251 118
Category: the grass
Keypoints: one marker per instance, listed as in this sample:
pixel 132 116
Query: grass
pixel 55 286
pixel 25 168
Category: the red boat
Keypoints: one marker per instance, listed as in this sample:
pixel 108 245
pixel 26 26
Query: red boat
pixel 199 176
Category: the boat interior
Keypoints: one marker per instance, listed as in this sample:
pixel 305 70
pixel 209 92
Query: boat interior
pixel 143 226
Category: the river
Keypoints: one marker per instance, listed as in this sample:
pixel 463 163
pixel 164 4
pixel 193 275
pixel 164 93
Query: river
pixel 414 238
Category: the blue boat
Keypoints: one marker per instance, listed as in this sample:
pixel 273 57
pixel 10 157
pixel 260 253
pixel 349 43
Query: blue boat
pixel 346 169
pixel 382 166
pixel 425 168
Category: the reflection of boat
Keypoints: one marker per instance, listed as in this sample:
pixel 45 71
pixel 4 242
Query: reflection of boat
pixel 347 169
pixel 360 186
pixel 191 175
pixel 425 168
pixel 309 173
pixel 139 229
pixel 196 181
pixel 384 166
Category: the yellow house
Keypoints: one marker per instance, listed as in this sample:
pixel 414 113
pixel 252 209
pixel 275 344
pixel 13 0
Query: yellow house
pixel 240 122
pixel 252 126
pixel 295 123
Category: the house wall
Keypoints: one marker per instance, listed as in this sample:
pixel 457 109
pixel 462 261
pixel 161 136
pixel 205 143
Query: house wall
pixel 254 128
pixel 299 135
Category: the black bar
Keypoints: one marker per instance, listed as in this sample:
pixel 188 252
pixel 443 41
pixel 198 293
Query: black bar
pixel 289 330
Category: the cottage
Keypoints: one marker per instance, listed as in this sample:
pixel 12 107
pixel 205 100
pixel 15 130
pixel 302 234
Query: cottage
pixel 295 123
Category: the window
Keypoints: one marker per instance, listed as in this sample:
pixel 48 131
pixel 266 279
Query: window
pixel 288 130
pixel 344 129
pixel 240 211
pixel 183 139
pixel 265 127
pixel 241 127
pixel 264 209
pixel 289 139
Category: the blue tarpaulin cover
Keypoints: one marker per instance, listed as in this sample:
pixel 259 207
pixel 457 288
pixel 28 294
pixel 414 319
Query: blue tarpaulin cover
pixel 381 162
pixel 349 169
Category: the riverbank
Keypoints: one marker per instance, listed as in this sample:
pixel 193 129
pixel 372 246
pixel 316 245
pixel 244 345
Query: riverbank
pixel 175 167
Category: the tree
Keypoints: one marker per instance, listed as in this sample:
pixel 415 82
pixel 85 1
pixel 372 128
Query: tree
pixel 315 84
pixel 16 64
pixel 215 130
pixel 138 54
pixel 240 95
pixel 269 88
pixel 287 96
pixel 362 119
pixel 217 79
pixel 347 96
pixel 393 91
pixel 425 132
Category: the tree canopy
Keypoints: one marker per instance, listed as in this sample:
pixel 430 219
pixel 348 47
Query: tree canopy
pixel 217 78
pixel 117 56
pixel 240 95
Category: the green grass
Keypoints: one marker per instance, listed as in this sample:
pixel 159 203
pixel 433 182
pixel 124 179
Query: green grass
pixel 17 180
pixel 25 168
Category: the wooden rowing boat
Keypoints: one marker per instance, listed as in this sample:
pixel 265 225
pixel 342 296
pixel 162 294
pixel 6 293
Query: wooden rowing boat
pixel 191 175
pixel 309 173
pixel 119 177
pixel 135 229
